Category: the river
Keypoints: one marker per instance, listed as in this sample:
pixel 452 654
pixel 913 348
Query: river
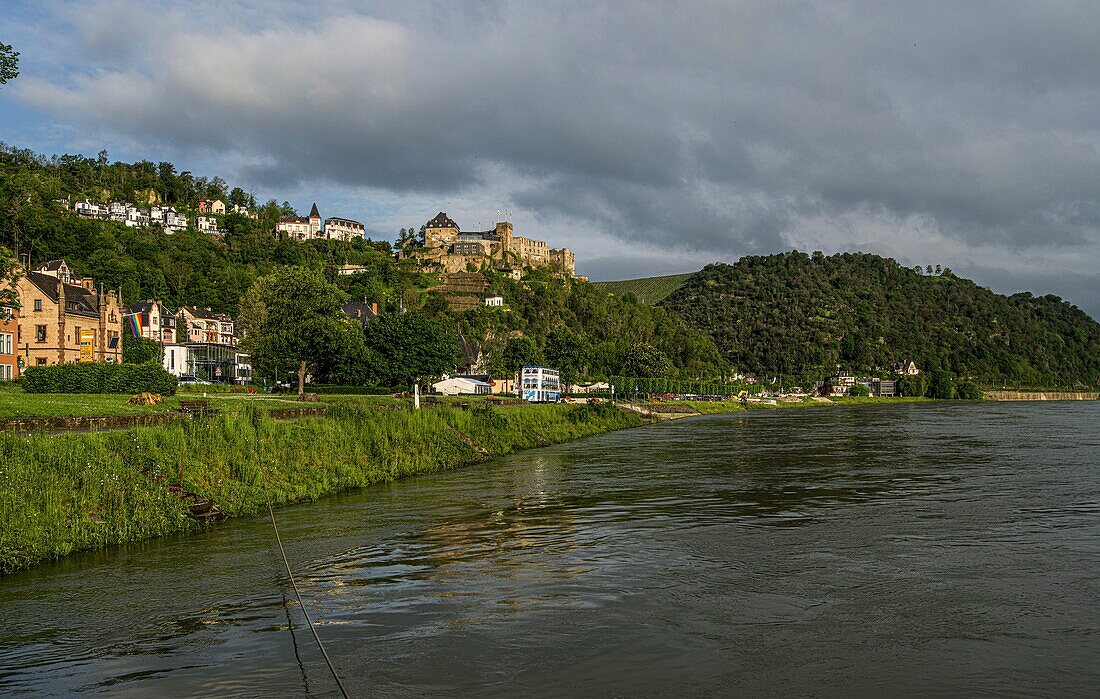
pixel 909 549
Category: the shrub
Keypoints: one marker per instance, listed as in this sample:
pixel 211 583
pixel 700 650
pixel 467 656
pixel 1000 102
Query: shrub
pixel 139 350
pixel 941 385
pixel 99 378
pixel 488 416
pixel 859 390
pixel 968 390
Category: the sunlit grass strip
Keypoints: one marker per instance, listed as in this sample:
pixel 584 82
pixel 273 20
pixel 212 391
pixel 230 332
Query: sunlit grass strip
pixel 65 493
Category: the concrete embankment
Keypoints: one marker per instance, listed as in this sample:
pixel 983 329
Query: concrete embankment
pixel 61 493
pixel 1042 395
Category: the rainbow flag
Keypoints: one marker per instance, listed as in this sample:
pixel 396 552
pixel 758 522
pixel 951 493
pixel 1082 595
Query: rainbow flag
pixel 135 324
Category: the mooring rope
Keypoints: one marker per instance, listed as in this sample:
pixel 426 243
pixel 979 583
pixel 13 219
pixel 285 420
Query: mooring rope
pixel 302 604
pixel 256 422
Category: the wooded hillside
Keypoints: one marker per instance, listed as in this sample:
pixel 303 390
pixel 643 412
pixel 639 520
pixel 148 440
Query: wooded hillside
pixel 546 318
pixel 799 315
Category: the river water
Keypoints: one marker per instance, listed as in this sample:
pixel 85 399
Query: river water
pixel 909 549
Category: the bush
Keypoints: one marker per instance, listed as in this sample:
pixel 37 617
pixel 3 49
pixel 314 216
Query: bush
pixel 941 386
pixel 139 350
pixel 968 390
pixel 488 416
pixel 99 378
pixel 859 390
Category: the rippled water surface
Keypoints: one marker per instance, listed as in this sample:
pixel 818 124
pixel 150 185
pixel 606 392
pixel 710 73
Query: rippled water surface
pixel 931 549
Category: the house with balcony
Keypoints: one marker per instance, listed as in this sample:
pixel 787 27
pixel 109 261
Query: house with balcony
pixel 207 224
pixel 89 209
pixel 194 324
pixel 206 347
pixel 172 220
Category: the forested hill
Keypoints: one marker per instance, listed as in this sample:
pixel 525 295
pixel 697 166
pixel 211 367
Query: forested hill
pixel 574 325
pixel 799 315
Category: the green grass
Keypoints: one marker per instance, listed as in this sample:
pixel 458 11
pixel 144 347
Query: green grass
pixel 650 290
pixel 69 492
pixel 19 404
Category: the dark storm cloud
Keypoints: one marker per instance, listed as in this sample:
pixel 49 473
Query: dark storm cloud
pixel 702 127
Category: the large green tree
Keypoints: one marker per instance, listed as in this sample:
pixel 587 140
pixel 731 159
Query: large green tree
pixel 567 351
pixel 406 348
pixel 520 352
pixel 292 321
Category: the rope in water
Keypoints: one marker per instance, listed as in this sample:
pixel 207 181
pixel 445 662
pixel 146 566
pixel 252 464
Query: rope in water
pixel 302 604
pixel 257 422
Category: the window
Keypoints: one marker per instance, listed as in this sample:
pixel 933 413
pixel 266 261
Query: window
pixel 38 304
pixel 5 372
pixel 40 361
pixel 5 343
pixel 40 333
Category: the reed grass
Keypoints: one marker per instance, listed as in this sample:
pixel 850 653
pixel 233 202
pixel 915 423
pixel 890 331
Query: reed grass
pixel 71 492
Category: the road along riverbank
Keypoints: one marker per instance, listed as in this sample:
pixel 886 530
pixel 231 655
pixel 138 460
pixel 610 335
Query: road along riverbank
pixel 71 492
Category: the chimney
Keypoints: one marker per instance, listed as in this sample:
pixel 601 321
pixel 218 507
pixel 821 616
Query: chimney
pixel 374 308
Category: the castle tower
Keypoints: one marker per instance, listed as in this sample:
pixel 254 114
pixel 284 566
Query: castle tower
pixel 314 222
pixel 504 232
pixel 441 231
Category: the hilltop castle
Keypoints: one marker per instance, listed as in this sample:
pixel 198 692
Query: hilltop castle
pixel 449 249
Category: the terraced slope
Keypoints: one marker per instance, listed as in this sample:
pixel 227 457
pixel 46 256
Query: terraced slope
pixel 650 290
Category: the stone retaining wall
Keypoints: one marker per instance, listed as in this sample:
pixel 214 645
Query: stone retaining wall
pixel 1035 395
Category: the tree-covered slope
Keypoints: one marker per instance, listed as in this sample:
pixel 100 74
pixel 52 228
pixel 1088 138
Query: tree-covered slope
pixel 650 290
pixel 799 315
pixel 566 322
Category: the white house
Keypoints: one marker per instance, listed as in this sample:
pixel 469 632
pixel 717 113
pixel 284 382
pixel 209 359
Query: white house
pixel 244 211
pixel 173 220
pixel 207 224
pixel 349 269
pixel 461 385
pixel 87 209
pixel 135 218
pixel 336 228
pixel 494 301
pixel 907 368
pixel 178 360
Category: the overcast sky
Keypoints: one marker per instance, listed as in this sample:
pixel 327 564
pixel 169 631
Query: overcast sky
pixel 649 137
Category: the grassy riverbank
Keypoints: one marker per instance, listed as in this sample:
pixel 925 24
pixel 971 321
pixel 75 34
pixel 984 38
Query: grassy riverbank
pixel 71 492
